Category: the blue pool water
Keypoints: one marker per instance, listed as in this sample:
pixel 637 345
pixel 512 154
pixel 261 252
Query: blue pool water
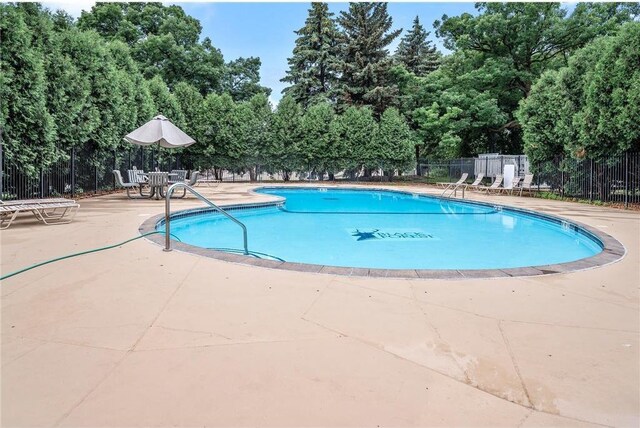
pixel 389 230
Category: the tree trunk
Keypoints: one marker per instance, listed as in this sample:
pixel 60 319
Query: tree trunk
pixel 418 172
pixel 332 177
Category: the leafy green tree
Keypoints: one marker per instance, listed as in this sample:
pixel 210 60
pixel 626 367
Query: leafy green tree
pixel 313 68
pixel 540 115
pixel 507 46
pixel 164 41
pixel 589 108
pixel 356 128
pixel 365 61
pixel 253 118
pixel 217 131
pixel 416 53
pixel 28 131
pixel 320 149
pixel 241 79
pixel 282 152
pixel 611 114
pixel 165 102
pixel 190 103
pixel 395 143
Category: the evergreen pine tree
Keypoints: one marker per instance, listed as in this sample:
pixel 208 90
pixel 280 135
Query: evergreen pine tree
pixel 313 66
pixel 417 53
pixel 365 61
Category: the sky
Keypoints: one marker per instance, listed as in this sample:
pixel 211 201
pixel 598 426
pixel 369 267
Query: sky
pixel 266 30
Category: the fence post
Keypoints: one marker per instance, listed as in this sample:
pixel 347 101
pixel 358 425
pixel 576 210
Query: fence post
pixel 41 183
pixel 561 180
pixel 73 172
pixel 115 166
pixel 591 180
pixel 95 182
pixel 626 180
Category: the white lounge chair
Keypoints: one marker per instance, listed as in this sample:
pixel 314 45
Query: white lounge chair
pixel 526 184
pixel 463 178
pixel 494 186
pixel 476 182
pixel 514 185
pixel 48 212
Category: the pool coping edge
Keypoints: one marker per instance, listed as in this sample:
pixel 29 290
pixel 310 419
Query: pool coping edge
pixel 612 249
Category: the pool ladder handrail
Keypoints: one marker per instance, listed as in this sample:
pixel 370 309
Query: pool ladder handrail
pixel 167 215
pixel 453 191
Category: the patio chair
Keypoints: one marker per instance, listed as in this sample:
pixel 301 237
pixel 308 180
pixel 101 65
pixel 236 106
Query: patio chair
pixel 477 182
pixel 193 178
pixel 526 184
pixel 127 186
pixel 514 185
pixel 181 176
pixel 463 178
pixel 494 186
pixel 137 176
pixel 46 212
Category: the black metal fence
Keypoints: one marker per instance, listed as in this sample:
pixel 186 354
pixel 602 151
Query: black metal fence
pixel 82 172
pixel 613 179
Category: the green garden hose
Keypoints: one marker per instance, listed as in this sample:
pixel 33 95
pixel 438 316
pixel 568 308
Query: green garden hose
pixel 9 275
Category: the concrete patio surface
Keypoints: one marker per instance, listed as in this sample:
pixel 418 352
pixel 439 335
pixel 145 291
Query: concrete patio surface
pixel 135 336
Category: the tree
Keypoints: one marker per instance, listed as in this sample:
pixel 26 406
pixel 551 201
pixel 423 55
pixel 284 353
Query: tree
pixel 28 131
pixel 241 79
pixel 313 68
pixel 217 131
pixel 417 53
pixel 253 119
pixel 190 102
pixel 319 149
pixel 164 41
pixel 394 142
pixel 282 151
pixel 365 60
pixel 609 121
pixel 588 109
pixel 356 129
pixel 165 102
pixel 509 45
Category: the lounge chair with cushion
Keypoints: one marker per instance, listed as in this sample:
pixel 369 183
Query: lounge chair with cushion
pixel 49 212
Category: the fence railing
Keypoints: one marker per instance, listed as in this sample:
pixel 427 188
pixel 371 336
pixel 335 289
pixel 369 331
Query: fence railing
pixel 613 179
pixel 82 173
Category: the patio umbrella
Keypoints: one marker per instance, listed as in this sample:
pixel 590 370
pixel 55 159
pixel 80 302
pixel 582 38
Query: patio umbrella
pixel 159 131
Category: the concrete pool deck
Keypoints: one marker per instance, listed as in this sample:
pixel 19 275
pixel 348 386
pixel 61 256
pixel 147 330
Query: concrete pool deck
pixel 135 336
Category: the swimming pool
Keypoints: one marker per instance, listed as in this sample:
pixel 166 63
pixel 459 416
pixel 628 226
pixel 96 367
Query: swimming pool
pixel 379 229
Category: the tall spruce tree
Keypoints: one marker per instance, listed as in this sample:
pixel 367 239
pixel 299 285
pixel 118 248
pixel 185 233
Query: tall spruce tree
pixel 365 61
pixel 416 53
pixel 313 67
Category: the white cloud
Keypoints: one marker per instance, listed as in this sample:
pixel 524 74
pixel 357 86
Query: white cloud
pixel 73 8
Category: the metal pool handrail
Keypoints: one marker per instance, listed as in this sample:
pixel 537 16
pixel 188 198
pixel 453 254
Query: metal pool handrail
pixel 167 215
